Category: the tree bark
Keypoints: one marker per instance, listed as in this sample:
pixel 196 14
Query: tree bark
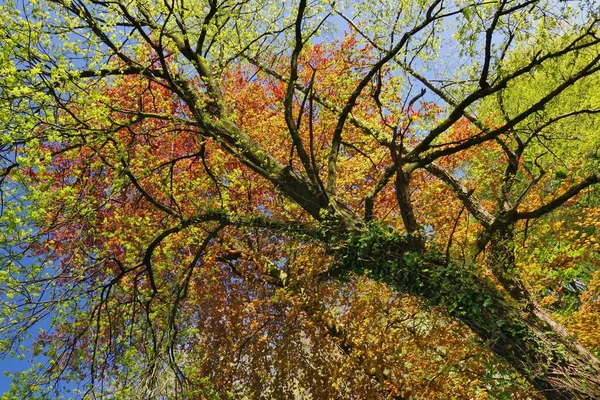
pixel 571 371
pixel 406 209
pixel 520 332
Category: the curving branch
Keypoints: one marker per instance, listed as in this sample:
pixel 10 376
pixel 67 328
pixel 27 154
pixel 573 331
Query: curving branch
pixel 431 16
pixel 559 201
pixel 466 196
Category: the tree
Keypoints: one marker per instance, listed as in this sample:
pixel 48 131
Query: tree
pixel 232 195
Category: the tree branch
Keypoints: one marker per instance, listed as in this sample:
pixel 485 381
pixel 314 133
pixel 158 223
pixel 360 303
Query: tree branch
pixel 560 200
pixel 466 196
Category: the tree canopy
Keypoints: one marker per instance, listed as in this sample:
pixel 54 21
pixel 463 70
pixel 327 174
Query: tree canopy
pixel 325 199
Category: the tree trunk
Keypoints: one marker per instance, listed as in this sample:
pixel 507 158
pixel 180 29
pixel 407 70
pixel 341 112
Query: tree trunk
pixel 406 209
pixel 570 370
pixel 522 333
pixel 542 351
